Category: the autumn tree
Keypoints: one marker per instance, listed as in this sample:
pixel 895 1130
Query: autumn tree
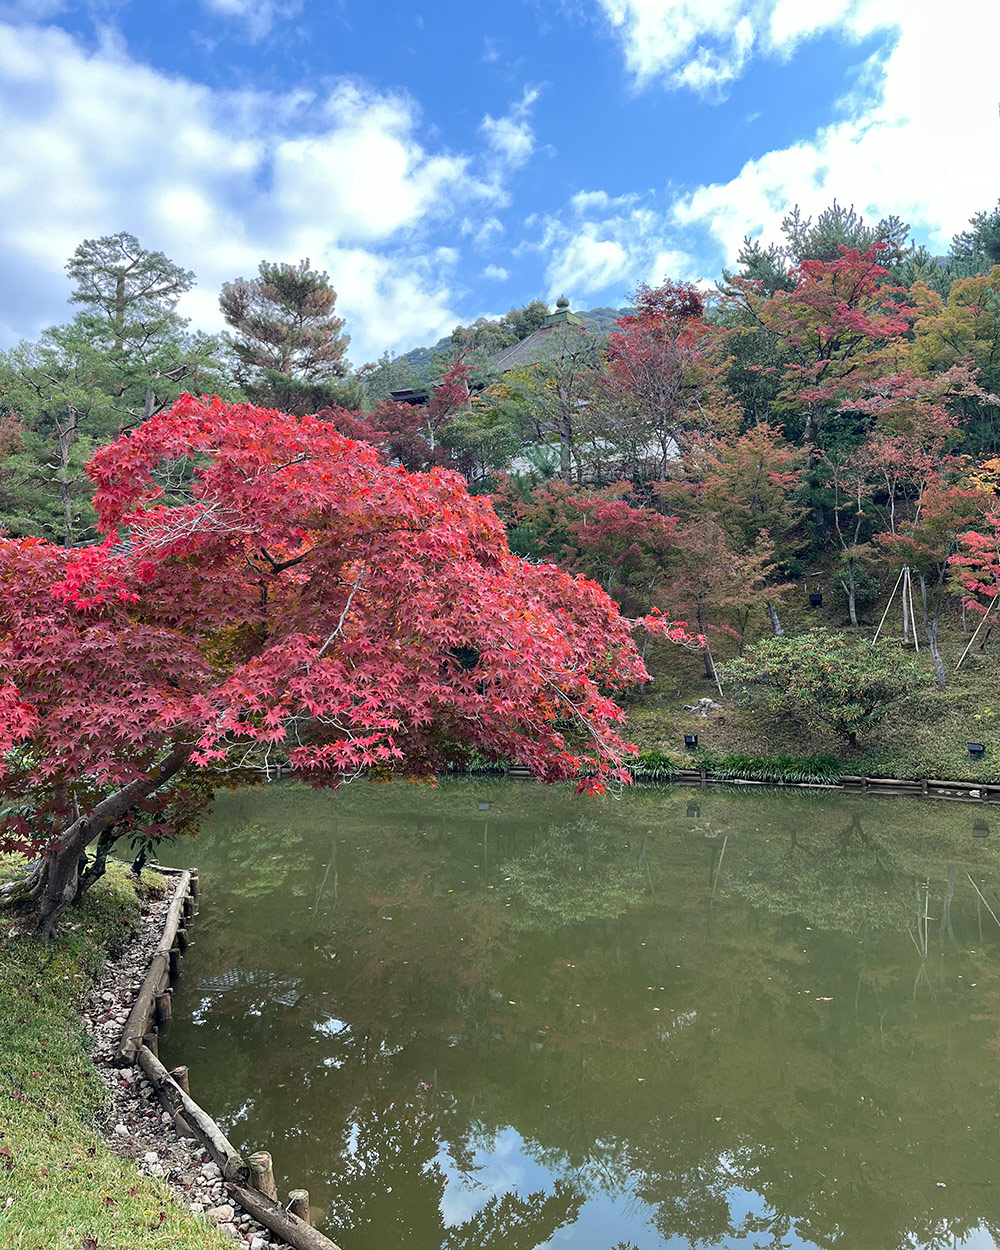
pixel 547 398
pixel 880 484
pixel 267 584
pixel 720 587
pixel 288 337
pixel 658 385
pixel 958 337
pixel 838 327
pixel 748 487
pixel 414 435
pixel 599 533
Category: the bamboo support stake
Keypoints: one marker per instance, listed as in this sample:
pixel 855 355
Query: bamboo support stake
pixel 887 607
pixel 262 1174
pixel 913 619
pixel 907 608
pixel 715 671
pixel 298 1204
pixel 980 893
pixel 996 600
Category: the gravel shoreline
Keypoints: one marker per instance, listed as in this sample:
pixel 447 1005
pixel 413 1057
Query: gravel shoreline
pixel 135 1124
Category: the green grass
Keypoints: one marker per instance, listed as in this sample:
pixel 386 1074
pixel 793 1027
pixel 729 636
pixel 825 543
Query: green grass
pixel 68 1191
pixel 925 737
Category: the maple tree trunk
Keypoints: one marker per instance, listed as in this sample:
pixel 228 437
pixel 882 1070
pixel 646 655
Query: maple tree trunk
pixel 776 627
pixel 58 881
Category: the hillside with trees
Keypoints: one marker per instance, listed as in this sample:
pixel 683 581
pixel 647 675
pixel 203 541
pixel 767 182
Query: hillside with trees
pixel 806 451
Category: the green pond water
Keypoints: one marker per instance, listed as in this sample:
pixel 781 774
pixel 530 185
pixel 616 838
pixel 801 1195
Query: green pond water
pixel 684 1018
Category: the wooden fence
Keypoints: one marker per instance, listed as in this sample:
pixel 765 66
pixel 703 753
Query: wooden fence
pixel 249 1182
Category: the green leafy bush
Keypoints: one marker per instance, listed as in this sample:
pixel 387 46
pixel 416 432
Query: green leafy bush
pixel 823 679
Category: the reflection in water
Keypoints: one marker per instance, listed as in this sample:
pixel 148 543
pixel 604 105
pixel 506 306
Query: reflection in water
pixel 760 1020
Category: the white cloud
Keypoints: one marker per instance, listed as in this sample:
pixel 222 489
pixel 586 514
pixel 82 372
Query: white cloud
pixel 585 202
pixel 923 145
pixel 511 137
pixel 94 141
pixel 610 252
pixel 258 17
pixel 706 44
pixel 496 273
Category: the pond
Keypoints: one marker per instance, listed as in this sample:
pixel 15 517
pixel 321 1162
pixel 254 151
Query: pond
pixel 492 1015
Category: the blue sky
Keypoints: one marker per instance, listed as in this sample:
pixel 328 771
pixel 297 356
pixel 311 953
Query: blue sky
pixel 445 160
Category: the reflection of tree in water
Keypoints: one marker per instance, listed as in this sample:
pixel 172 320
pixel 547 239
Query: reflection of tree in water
pixel 575 872
pixel 654 1054
pixel 389 1190
pixel 257 860
pixel 848 881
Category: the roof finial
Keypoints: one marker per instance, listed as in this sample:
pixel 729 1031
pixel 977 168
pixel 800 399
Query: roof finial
pixel 562 302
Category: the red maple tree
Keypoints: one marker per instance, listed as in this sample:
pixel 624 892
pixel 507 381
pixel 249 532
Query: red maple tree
pixel 266 584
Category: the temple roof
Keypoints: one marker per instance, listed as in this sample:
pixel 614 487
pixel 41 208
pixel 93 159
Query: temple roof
pixel 534 346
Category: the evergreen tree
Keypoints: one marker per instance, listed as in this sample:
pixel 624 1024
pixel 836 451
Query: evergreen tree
pixel 286 329
pixel 976 250
pixel 837 227
pixel 126 356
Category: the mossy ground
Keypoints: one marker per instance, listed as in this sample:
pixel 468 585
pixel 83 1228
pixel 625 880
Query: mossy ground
pixel 61 1188
pixel 925 737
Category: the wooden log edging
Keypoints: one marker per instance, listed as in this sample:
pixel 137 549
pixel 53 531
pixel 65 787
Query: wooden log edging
pixel 238 1174
pixel 250 1182
pixel 274 1217
pixel 162 969
pixel 229 1160
pixel 935 788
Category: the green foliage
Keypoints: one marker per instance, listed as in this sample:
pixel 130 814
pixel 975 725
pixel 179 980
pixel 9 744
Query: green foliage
pixel 867 588
pixel 804 770
pixel 124 358
pixel 654 765
pixel 837 227
pixel 824 679
pixel 285 324
pixel 494 336
pixel 977 249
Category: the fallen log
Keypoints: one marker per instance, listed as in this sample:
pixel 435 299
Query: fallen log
pixel 276 1219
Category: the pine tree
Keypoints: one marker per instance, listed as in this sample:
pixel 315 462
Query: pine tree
pixel 285 329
